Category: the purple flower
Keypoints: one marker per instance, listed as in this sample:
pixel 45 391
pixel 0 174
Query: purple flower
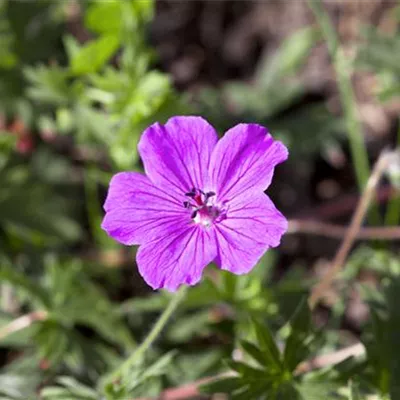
pixel 201 201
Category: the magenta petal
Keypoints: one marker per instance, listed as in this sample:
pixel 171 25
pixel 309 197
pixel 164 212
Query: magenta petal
pixel 137 211
pixel 243 161
pixel 177 155
pixel 178 258
pixel 225 218
pixel 252 227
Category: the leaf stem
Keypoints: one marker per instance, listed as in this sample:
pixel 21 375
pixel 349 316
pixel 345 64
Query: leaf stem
pixel 151 337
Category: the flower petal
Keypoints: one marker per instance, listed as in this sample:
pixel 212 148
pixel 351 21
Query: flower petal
pixel 178 258
pixel 137 211
pixel 177 155
pixel 244 160
pixel 252 227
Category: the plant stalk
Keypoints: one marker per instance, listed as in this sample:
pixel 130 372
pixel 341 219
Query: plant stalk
pixel 151 337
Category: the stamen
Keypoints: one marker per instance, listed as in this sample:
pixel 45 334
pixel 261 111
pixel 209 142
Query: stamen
pixel 209 194
pixel 204 211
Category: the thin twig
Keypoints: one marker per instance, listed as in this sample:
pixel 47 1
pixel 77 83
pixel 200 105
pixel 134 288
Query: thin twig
pixel 338 232
pixel 354 228
pixel 22 322
pixel 356 350
pixel 343 205
pixel 186 391
pixel 112 258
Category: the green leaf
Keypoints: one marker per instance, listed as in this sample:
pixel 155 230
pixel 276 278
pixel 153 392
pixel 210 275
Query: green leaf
pixel 290 56
pixel 287 391
pixel 381 337
pixel 317 389
pixel 33 211
pixel 78 300
pixel 71 45
pixel 202 295
pixel 48 85
pixel 104 17
pixel 52 341
pixel 21 282
pixel 297 344
pixel 272 91
pixel 195 365
pixel 69 392
pixel 267 344
pixel 77 389
pixel 140 375
pixel 229 285
pixel 393 334
pixel 93 125
pixel 224 385
pixel 190 326
pixel 19 387
pixel 246 370
pixel 354 392
pixel 93 55
pixel 255 353
pixel 159 367
pixel 251 392
pixel 19 339
pixel 379 51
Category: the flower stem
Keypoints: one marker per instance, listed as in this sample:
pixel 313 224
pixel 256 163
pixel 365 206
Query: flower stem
pixel 358 150
pixel 342 68
pixel 151 337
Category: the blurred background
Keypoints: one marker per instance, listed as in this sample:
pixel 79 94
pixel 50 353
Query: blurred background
pixel 81 80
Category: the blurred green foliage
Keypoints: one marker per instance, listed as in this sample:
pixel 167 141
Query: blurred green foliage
pixel 380 53
pixel 276 90
pixel 77 87
pixel 107 93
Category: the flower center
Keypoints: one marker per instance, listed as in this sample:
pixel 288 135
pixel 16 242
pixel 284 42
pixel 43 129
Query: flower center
pixel 204 208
